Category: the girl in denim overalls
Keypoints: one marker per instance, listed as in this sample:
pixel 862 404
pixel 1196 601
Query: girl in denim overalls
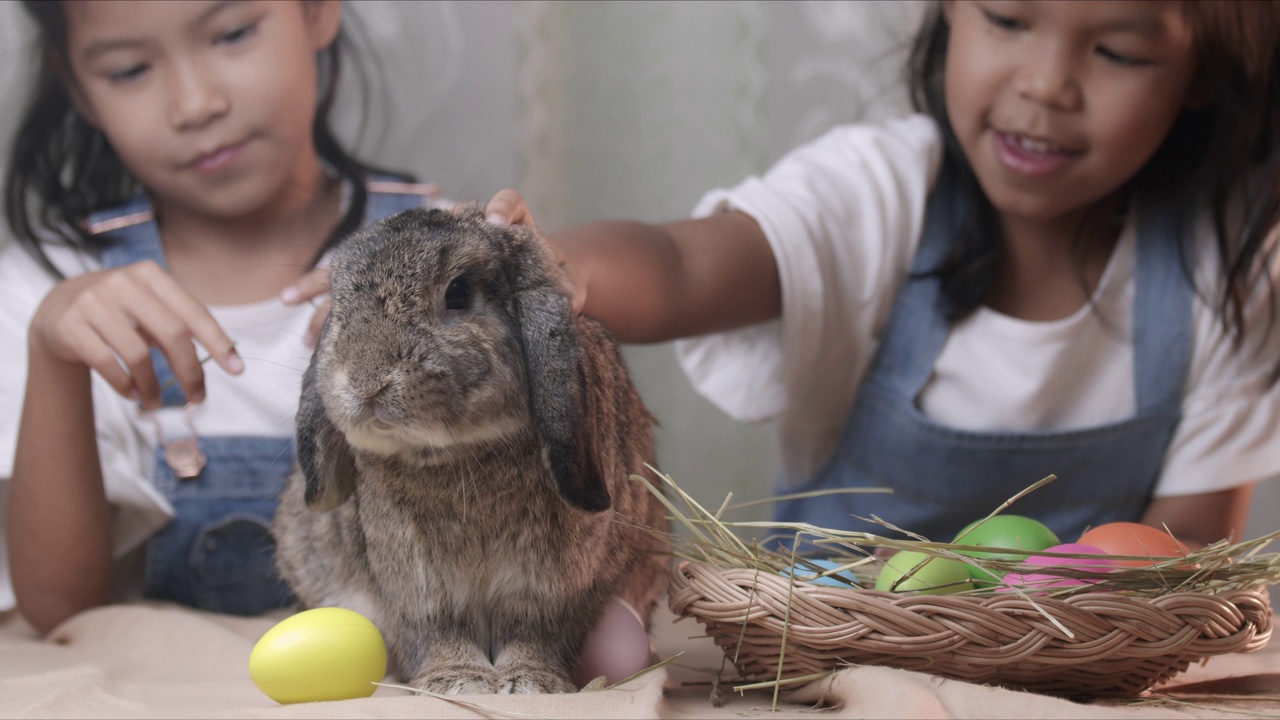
pixel 1058 266
pixel 173 183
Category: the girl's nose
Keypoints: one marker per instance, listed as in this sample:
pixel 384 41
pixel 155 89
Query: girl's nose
pixel 197 97
pixel 1049 78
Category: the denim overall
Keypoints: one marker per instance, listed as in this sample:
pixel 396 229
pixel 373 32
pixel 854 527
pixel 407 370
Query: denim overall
pixel 944 478
pixel 218 553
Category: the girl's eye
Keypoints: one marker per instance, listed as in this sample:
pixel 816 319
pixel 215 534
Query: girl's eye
pixel 133 72
pixel 1003 22
pixel 1119 59
pixel 238 35
pixel 458 295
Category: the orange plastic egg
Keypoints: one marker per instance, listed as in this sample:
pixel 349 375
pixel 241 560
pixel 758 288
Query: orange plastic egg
pixel 1143 541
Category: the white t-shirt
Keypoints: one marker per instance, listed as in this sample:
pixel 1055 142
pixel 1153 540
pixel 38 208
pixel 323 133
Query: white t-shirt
pixel 843 216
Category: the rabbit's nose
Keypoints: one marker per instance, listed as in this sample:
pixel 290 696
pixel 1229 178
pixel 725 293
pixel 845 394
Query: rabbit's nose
pixel 374 404
pixel 379 411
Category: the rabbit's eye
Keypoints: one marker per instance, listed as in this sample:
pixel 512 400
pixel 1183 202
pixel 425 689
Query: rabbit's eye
pixel 458 295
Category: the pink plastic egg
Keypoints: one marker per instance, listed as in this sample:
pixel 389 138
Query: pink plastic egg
pixel 617 648
pixel 1044 582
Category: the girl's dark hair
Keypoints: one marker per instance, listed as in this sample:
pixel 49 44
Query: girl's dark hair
pixel 1211 155
pixel 61 168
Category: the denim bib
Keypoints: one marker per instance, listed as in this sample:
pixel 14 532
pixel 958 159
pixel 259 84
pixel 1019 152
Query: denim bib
pixel 944 478
pixel 217 553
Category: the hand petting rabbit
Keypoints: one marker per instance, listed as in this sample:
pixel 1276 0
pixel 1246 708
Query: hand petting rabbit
pixel 465 443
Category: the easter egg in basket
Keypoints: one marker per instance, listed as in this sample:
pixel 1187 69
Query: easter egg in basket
pixel 912 571
pixel 1012 532
pixel 1047 581
pixel 1148 545
pixel 823 572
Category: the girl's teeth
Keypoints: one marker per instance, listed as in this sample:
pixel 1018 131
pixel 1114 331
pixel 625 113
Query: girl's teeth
pixel 1037 146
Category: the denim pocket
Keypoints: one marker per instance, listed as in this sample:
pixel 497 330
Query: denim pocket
pixel 218 553
pixel 233 568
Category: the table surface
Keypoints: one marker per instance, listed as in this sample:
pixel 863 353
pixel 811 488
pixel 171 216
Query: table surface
pixel 158 660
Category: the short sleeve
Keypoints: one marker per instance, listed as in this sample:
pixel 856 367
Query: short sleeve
pixel 842 215
pixel 1229 434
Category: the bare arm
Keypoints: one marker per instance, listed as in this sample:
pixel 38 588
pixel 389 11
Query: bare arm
pixel 1198 520
pixel 651 283
pixel 59 531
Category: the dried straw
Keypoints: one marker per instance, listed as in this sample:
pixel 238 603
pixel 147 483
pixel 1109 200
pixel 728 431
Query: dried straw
pixel 713 540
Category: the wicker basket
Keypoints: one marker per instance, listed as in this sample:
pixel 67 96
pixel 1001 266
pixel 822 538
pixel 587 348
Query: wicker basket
pixel 1122 645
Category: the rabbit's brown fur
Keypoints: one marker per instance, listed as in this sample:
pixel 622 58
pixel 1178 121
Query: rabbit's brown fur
pixel 464 459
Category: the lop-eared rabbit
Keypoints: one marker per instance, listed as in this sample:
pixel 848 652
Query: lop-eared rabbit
pixel 465 443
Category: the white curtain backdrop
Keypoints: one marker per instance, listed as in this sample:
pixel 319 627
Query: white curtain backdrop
pixel 613 109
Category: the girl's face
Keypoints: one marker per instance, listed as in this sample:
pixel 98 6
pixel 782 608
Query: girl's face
pixel 210 103
pixel 1058 104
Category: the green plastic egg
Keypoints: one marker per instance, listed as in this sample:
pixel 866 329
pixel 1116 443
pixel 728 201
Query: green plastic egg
pixel 934 576
pixel 1014 532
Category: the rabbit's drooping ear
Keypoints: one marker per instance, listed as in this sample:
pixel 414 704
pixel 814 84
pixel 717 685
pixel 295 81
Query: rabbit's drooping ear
pixel 558 393
pixel 326 460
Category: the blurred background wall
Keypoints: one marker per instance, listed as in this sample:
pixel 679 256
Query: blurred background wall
pixel 613 109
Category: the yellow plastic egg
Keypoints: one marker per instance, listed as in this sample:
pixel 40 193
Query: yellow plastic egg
pixel 322 654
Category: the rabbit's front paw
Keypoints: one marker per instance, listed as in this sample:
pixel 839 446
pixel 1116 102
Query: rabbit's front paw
pixel 533 681
pixel 457 680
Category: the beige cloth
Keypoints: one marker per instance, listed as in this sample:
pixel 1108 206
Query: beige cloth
pixel 156 660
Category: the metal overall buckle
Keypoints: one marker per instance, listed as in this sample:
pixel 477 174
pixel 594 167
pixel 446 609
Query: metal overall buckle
pixel 183 455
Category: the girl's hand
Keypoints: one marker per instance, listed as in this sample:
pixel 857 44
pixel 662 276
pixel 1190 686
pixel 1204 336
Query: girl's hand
pixel 109 320
pixel 508 207
pixel 311 286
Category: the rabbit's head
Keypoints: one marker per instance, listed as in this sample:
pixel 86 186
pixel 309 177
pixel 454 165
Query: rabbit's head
pixel 445 330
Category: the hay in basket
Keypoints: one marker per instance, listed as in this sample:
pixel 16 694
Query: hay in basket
pixel 1123 634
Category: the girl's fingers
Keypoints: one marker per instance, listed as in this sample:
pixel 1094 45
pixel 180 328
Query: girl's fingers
pixel 578 297
pixel 195 321
pixel 313 284
pixel 149 319
pixel 317 322
pixel 110 320
pixel 97 354
pixel 131 348
pixel 508 207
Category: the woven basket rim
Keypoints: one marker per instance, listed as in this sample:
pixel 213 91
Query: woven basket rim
pixel 1115 644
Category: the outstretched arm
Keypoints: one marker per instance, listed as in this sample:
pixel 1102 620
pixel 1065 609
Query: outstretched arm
pixel 651 283
pixel 1198 520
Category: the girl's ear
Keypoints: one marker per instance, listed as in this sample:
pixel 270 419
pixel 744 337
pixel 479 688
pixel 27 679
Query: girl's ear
pixel 324 19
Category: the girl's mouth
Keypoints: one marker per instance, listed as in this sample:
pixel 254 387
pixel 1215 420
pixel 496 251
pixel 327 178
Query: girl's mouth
pixel 1030 157
pixel 218 159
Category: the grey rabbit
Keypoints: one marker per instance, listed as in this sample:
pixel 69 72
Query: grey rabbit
pixel 465 442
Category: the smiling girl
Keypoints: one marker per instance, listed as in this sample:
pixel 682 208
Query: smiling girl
pixel 1060 265
pixel 174 174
